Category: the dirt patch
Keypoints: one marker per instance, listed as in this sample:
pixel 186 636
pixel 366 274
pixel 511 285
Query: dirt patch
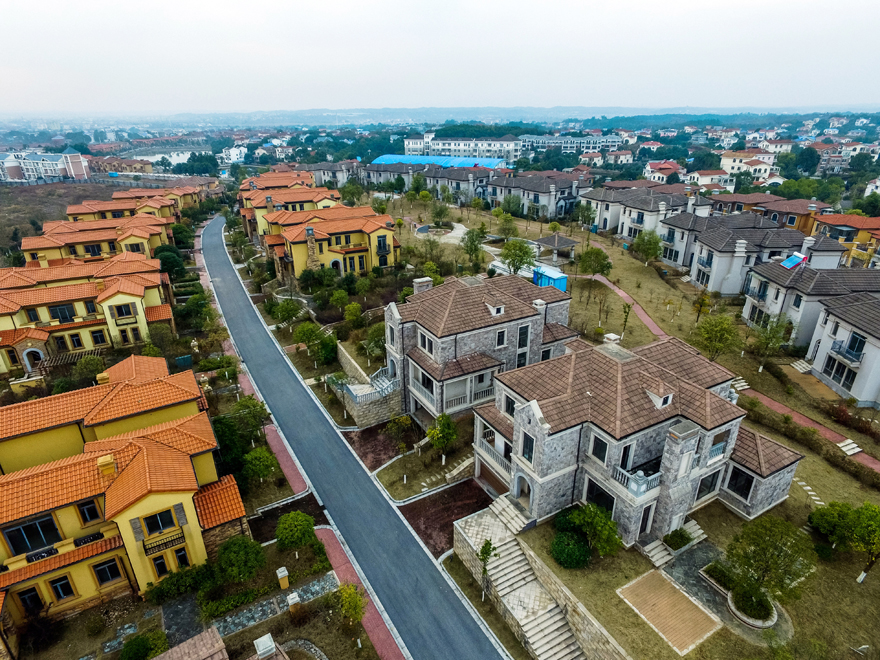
pixel 263 526
pixel 432 517
pixel 375 447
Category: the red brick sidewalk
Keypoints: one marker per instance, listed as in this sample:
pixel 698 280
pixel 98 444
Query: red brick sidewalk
pixel 373 623
pixel 803 420
pixel 288 467
pixel 641 313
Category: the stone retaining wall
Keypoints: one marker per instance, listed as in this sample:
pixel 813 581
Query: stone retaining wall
pixel 215 536
pixel 589 633
pixel 373 412
pixel 350 366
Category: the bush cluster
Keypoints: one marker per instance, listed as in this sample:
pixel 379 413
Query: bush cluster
pixel 678 538
pixel 211 609
pixel 570 550
pixel 215 363
pixel 841 414
pixel 145 646
pixel 751 601
pixel 721 574
pixel 809 437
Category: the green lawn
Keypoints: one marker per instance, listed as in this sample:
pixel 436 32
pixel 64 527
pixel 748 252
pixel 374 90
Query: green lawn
pixel 308 367
pixel 267 492
pixel 332 404
pixel 584 315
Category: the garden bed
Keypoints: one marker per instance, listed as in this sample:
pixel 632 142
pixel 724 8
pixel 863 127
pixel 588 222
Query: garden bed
pixel 432 517
pixel 332 404
pixel 263 494
pixel 263 526
pixel 305 364
pixel 375 447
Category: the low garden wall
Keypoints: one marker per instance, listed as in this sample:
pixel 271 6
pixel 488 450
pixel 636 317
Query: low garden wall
pixel 370 413
pixel 350 366
pixel 215 536
pixel 589 633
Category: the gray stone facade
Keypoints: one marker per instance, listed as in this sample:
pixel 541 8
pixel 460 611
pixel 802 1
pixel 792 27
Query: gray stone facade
pixel 765 493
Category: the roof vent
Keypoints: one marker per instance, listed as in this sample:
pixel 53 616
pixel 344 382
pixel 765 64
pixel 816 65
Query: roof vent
pixel 265 646
pixel 107 465
pixel 611 338
pixel 103 378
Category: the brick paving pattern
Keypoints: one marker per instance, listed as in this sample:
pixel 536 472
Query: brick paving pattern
pixel 680 621
pixel 373 623
pixel 288 467
pixel 803 420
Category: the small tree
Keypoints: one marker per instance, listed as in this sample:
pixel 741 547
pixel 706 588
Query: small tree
pixel 771 553
pixel 602 301
pixel 516 255
pixel 352 602
pixel 362 287
pixel 411 197
pixel 399 224
pixel 702 305
pixel 554 227
pixel 770 336
pixel 648 245
pixel 487 551
pixel 173 265
pixel 339 299
pixel 442 433
pixel 511 204
pixel 162 337
pixel 149 350
pixel 717 335
pixel 507 227
pixel 594 261
pixel 627 308
pixel 600 532
pixel 440 212
pixel 308 333
pixel 477 204
pixel 239 559
pixel 295 530
pixel 835 520
pixel 425 197
pixel 353 313
pixel 399 428
pixel 865 535
pixel 379 205
pixel 259 464
pixel 87 368
pixel 374 344
pixel 287 311
pixel 250 415
pixel 472 243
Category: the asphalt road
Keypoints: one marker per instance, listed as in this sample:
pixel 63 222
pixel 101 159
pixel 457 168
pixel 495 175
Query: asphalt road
pixel 427 613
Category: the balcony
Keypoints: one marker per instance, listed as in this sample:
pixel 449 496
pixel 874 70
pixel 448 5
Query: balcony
pixel 488 393
pixel 383 249
pixel 494 456
pixel 423 392
pixel 717 451
pixel 852 358
pixel 757 294
pixel 668 239
pixel 126 320
pixel 637 220
pixel 637 483
pixel 162 544
pixel 705 263
pixel 455 402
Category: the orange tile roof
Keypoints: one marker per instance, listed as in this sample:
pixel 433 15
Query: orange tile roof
pixel 121 285
pixel 158 313
pixel 855 221
pixel 96 206
pixel 59 561
pixel 12 337
pixel 274 239
pixel 138 368
pixel 137 220
pixel 218 503
pixel 98 404
pixel 13 278
pixel 60 239
pixel 279 250
pixel 18 298
pixel 338 212
pixel 326 228
pixel 53 262
pixel 289 195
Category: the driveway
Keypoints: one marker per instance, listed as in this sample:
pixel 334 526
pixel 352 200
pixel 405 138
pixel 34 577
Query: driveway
pixel 425 610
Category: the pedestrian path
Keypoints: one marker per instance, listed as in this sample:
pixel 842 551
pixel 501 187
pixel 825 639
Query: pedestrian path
pixel 814 498
pixel 802 365
pixel 288 465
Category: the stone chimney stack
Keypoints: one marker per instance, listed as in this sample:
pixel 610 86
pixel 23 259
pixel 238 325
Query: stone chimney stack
pixel 540 306
pixel 422 284
pixel 740 249
pixel 661 206
pixel 809 241
pixel 103 378
pixel 690 205
pixel 611 338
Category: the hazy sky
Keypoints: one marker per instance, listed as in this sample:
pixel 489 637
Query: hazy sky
pixel 163 57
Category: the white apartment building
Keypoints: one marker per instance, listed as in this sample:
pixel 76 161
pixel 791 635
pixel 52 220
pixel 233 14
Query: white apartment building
pixel 569 144
pixel 20 166
pixel 508 147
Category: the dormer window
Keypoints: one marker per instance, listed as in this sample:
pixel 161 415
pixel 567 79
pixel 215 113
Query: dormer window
pixel 498 310
pixel 665 401
pixel 495 310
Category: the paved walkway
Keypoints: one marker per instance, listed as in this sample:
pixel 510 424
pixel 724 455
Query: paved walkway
pixel 803 420
pixel 378 632
pixel 288 466
pixel 427 613
pixel 681 622
pixel 641 313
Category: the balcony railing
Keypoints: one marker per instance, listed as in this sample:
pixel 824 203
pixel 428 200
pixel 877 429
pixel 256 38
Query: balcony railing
pixel 455 402
pixel 488 434
pixel 638 484
pixel 160 545
pixel 637 220
pixel 495 456
pixel 45 553
pixel 758 294
pixel 484 394
pixel 383 249
pixel 705 263
pixel 126 320
pixel 717 450
pixel 669 239
pixel 422 392
pixel 85 540
pixel 853 357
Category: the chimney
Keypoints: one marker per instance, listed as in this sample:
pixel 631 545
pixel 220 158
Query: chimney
pixel 540 306
pixel 811 208
pixel 552 190
pixel 265 646
pixel 119 231
pixel 103 378
pixel 574 188
pixel 808 243
pixel 107 465
pixel 99 285
pixel 661 206
pixel 690 204
pixel 740 249
pixel 611 338
pixel 268 204
pixel 422 284
pixel 44 262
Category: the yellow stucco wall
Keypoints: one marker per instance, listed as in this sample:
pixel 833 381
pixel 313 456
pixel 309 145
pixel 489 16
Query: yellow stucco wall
pixel 206 470
pixel 142 565
pixel 263 226
pixel 141 421
pixel 38 448
pixel 299 251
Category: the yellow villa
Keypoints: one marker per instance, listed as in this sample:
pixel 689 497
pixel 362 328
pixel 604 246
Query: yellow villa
pixel 93 209
pixel 258 203
pixel 858 234
pixel 106 490
pixel 353 245
pixel 183 196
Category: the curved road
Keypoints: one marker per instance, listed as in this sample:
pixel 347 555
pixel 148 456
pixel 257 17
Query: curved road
pixel 426 612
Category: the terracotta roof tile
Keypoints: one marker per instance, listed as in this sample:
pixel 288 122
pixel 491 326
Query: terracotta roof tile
pixel 138 368
pixel 326 228
pixel 338 212
pixel 760 454
pixel 130 398
pixel 158 313
pixel 218 503
pixel 12 337
pixel 289 196
pixel 59 561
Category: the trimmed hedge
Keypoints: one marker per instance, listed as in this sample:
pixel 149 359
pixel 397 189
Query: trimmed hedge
pixel 721 574
pixel 751 601
pixel 570 550
pixel 809 437
pixel 211 609
pixel 215 363
pixel 678 538
pixel 562 521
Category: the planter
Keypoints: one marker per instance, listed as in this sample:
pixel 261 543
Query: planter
pixel 749 621
pixel 675 553
pixel 713 583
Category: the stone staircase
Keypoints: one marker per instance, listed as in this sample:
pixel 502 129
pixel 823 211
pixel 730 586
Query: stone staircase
pixel 509 514
pixel 739 384
pixel 659 554
pixel 849 447
pixel 550 636
pixel 803 366
pixel 547 631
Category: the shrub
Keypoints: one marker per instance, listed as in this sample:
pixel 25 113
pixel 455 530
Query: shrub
pixel 294 530
pixel 570 550
pixel 216 363
pixel 87 368
pixel 751 601
pixel 239 559
pixel 721 574
pixel 677 538
pixel 343 331
pixel 824 551
pixel 563 523
pixel 180 582
pixel 211 609
pixel 145 646
pixel 599 531
pixel 352 602
pixel 95 625
pixel 259 463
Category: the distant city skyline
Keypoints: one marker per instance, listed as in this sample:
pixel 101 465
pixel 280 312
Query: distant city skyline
pixel 162 59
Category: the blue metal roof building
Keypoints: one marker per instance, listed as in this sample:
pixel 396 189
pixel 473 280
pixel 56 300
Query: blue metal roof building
pixel 442 161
